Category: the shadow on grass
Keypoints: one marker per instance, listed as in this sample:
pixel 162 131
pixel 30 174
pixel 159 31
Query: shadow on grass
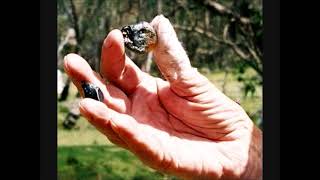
pixel 102 163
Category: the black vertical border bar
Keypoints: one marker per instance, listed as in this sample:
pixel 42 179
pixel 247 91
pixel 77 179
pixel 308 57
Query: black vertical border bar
pixel 48 90
pixel 271 90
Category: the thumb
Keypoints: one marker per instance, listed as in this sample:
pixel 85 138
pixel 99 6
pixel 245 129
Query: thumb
pixel 172 60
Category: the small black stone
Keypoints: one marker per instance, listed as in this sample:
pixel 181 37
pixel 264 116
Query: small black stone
pixel 92 91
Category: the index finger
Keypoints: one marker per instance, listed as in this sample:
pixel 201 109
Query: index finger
pixel 116 66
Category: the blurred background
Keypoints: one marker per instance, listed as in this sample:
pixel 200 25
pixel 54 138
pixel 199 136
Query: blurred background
pixel 222 38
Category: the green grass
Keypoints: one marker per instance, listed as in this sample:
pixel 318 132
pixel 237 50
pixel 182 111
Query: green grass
pixel 102 163
pixel 83 133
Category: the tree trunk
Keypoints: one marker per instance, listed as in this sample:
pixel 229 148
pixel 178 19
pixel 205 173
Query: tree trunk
pixel 207 19
pixel 146 67
pixel 225 82
pixel 159 6
pixel 75 21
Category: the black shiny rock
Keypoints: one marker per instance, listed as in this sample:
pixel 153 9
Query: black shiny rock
pixel 140 37
pixel 92 91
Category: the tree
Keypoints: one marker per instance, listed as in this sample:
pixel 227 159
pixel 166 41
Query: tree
pixel 224 34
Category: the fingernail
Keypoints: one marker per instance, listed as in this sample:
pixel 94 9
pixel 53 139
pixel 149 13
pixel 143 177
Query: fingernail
pixel 85 103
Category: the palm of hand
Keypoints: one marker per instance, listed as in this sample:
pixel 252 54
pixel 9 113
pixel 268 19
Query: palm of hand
pixel 175 139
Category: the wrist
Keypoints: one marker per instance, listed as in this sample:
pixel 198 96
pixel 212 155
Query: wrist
pixel 253 170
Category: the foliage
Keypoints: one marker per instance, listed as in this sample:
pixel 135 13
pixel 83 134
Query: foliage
pixel 89 163
pixel 212 37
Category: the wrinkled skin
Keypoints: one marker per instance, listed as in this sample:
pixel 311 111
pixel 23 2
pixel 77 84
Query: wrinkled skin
pixel 183 125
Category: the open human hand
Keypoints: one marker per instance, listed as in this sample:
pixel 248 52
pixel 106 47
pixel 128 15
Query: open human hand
pixel 182 125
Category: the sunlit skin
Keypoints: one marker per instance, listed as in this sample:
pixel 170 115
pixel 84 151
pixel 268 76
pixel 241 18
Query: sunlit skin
pixel 181 125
